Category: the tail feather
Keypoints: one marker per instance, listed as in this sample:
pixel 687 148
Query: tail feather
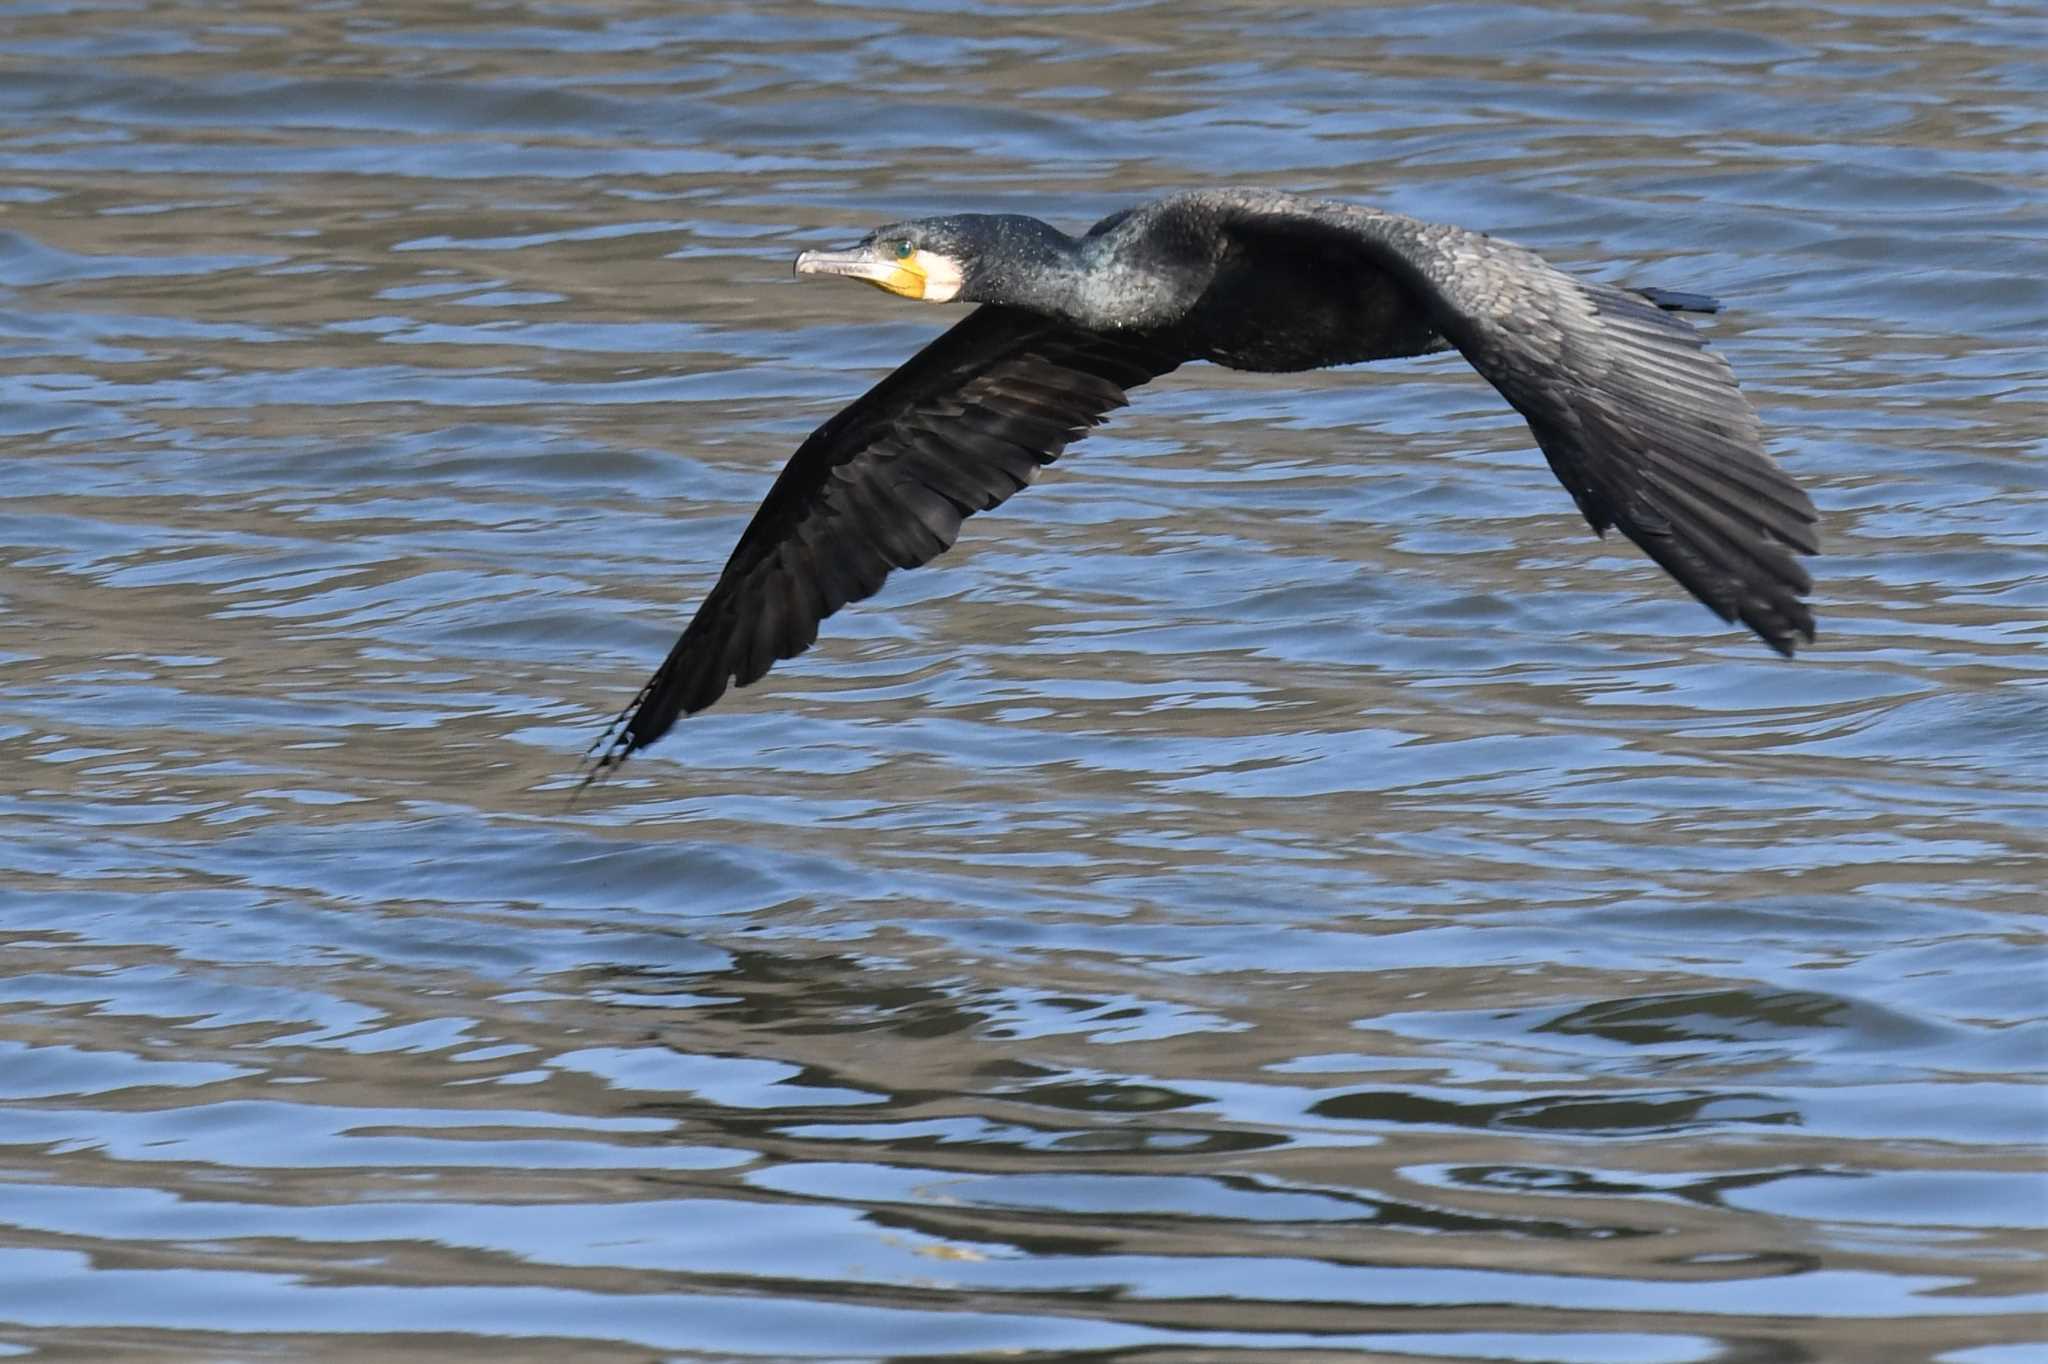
pixel 1679 301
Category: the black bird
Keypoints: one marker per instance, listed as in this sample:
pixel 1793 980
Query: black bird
pixel 1643 426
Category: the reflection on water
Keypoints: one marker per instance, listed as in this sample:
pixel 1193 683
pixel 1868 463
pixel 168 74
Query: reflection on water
pixel 1278 886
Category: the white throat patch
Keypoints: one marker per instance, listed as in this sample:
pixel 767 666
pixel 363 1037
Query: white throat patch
pixel 942 277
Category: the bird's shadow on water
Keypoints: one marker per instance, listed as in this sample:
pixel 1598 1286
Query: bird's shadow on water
pixel 883 1077
pixel 856 1057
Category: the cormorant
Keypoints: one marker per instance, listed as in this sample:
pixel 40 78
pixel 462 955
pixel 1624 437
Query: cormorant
pixel 1643 426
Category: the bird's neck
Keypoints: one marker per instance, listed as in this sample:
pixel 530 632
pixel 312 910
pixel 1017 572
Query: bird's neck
pixel 1123 287
pixel 1115 281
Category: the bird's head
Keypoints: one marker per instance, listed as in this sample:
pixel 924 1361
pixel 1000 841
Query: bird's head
pixel 967 257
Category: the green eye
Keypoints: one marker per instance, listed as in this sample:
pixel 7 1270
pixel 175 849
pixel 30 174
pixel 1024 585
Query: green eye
pixel 900 249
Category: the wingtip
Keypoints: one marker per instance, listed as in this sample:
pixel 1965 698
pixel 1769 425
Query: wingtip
pixel 612 747
pixel 595 769
pixel 1787 628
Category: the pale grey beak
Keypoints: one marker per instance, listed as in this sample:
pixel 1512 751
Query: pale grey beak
pixel 861 262
pixel 868 263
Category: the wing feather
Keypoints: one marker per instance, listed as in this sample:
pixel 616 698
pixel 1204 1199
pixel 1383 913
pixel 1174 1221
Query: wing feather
pixel 1642 424
pixel 885 484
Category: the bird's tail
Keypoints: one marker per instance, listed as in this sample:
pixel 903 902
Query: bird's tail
pixel 1679 301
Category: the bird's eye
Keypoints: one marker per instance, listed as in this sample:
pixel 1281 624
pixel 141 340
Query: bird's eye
pixel 900 249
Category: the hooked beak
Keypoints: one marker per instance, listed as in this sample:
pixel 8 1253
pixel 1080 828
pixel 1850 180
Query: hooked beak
pixel 925 275
pixel 905 277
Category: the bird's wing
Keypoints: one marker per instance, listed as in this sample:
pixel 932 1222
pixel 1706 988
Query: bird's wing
pixel 1641 423
pixel 956 430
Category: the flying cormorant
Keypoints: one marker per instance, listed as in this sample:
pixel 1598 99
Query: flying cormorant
pixel 1643 426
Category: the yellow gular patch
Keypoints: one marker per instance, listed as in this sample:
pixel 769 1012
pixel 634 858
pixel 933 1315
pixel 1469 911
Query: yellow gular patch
pixel 925 275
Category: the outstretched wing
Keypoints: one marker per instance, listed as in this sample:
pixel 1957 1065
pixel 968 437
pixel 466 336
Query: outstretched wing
pixel 1641 423
pixel 957 429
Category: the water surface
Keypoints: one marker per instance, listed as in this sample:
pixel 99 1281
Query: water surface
pixel 1279 888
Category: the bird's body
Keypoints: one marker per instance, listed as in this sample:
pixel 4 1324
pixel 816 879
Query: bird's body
pixel 1642 425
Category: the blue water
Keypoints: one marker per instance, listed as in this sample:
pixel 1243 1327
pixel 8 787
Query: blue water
pixel 1280 886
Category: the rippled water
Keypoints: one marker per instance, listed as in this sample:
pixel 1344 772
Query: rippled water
pixel 1280 886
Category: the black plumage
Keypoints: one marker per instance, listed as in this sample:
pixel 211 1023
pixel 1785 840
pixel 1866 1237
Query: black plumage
pixel 1643 426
